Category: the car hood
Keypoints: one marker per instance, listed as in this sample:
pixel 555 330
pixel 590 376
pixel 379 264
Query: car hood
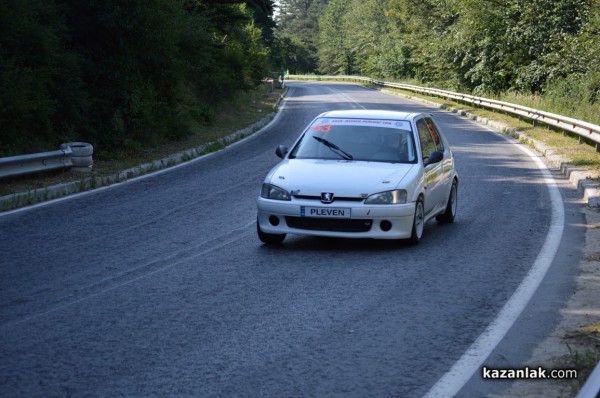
pixel 343 178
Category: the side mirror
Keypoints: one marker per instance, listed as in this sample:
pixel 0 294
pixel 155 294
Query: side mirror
pixel 434 157
pixel 281 151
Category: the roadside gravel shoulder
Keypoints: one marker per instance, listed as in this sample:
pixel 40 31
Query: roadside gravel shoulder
pixel 570 342
pixel 575 342
pixel 84 183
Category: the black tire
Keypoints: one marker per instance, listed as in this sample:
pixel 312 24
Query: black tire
pixel 447 217
pixel 81 155
pixel 82 161
pixel 269 239
pixel 418 222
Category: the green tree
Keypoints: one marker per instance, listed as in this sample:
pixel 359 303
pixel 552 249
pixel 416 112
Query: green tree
pixel 336 55
pixel 122 74
pixel 379 45
pixel 291 54
pixel 41 95
pixel 298 29
pixel 423 29
pixel 491 45
pixel 367 25
pixel 130 62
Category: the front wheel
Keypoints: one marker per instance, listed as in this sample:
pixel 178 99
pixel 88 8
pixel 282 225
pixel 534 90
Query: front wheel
pixel 447 217
pixel 269 239
pixel 418 222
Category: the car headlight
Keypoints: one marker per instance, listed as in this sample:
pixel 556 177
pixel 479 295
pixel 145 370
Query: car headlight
pixel 395 197
pixel 269 191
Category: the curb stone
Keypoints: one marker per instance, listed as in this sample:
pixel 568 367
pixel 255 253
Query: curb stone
pixel 580 178
pixel 34 196
pixel 555 348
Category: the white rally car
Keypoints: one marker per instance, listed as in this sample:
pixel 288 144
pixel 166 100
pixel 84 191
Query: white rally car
pixel 360 174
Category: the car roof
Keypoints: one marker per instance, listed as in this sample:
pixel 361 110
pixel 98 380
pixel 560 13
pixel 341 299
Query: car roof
pixel 371 114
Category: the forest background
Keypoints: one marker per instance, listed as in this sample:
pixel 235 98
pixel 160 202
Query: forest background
pixel 128 75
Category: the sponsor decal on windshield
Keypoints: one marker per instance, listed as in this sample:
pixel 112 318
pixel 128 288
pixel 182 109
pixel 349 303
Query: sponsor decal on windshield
pixel 321 128
pixel 324 125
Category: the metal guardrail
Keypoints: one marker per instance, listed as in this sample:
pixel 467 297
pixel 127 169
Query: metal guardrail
pixel 586 130
pixel 25 164
pixel 583 129
pixel 36 162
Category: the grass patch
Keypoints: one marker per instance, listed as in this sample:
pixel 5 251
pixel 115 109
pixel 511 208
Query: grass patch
pixel 250 107
pixel 584 351
pixel 577 108
pixel 243 111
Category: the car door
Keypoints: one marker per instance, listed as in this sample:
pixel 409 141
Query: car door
pixel 430 142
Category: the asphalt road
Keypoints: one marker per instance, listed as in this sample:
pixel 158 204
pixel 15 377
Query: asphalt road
pixel 160 287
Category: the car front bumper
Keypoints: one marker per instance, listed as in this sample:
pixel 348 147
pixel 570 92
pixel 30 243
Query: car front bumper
pixel 365 221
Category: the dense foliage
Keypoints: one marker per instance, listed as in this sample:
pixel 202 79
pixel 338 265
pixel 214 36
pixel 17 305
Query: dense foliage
pixel 482 46
pixel 129 74
pixel 297 33
pixel 123 74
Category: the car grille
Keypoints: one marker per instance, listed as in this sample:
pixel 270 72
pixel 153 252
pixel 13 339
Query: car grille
pixel 341 198
pixel 329 224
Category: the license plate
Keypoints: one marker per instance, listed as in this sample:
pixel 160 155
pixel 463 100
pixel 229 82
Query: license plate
pixel 325 212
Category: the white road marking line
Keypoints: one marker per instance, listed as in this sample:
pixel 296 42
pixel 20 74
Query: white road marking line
pixel 472 360
pixel 347 98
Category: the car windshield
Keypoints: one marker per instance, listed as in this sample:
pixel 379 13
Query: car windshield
pixel 372 140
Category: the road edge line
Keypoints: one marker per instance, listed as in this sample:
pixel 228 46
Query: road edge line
pixel 468 364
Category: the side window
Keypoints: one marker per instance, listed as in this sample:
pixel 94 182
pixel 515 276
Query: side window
pixel 427 142
pixel 439 146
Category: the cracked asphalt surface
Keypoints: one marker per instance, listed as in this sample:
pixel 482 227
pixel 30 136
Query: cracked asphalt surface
pixel 159 286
